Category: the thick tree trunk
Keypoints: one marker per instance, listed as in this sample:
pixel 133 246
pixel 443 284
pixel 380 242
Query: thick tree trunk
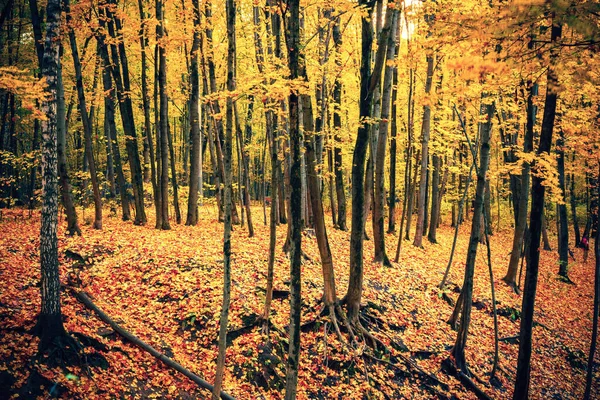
pixel 425 130
pixel 368 81
pixel 522 379
pixel 50 325
pixel 293 44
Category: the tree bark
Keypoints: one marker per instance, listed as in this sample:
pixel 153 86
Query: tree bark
pixel 425 130
pixel 293 44
pixel 522 379
pixel 196 151
pixel 521 227
pixel 435 199
pixel 87 124
pixel 50 325
pixel 563 225
pixel 379 194
pixel 458 351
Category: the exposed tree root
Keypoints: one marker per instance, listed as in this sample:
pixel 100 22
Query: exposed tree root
pixel 464 379
pixel 87 301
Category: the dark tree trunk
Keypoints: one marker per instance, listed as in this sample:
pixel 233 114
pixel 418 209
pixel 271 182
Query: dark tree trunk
pixel 293 44
pixel 146 105
pixel 340 190
pixel 458 351
pixel 393 144
pixel 368 82
pixel 87 123
pixel 163 128
pixel 522 379
pixel 109 115
pixel 223 320
pixel 50 326
pixel 195 159
pixel 425 130
pixel 435 199
pixel 244 141
pixel 173 175
pixel 521 227
pixel 379 189
pixel 573 201
pixel 119 62
pixel 563 220
pixel 596 311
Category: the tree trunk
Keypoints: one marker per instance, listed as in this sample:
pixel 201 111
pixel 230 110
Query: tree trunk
pixel 590 363
pixel 435 199
pixel 109 112
pixel 563 231
pixel 293 43
pixel 50 325
pixel 196 153
pixel 87 124
pixel 425 129
pixel 379 194
pixel 223 321
pixel 458 351
pixel 163 128
pixel 521 227
pixel 146 105
pixel 340 190
pixel 522 379
pixel 368 82
pixel 393 133
pixel 573 201
pixel 119 62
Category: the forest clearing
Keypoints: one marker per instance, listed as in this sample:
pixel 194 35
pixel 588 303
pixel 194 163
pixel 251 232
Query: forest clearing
pixel 290 199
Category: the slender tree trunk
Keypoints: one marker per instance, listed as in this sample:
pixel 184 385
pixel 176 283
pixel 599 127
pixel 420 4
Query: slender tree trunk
pixel 146 105
pixel 393 134
pixel 458 351
pixel 119 62
pixel 196 153
pixel 435 199
pixel 340 190
pixel 521 227
pixel 87 124
pixel 425 130
pixel 522 380
pixel 379 206
pixel 223 321
pixel 67 197
pixel 163 127
pixel 109 112
pixel 573 203
pixel 563 220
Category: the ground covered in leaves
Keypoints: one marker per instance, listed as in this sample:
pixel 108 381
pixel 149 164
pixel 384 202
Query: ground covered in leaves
pixel 165 287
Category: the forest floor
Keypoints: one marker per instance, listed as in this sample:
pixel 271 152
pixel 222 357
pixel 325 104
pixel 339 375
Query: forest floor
pixel 166 288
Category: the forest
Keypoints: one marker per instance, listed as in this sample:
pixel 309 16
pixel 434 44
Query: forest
pixel 281 199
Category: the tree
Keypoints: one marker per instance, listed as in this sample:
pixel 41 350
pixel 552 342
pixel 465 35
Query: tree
pixel 163 128
pixel 223 320
pixel 293 47
pixel 195 159
pixel 458 351
pixel 50 326
pixel 538 191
